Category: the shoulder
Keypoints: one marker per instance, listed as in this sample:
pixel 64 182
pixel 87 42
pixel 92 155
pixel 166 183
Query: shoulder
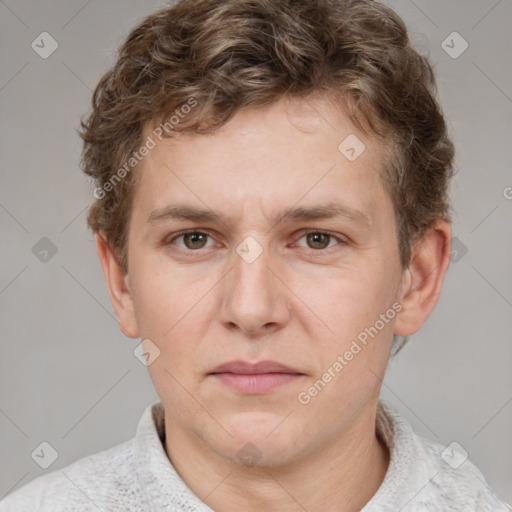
pixel 84 485
pixel 425 475
pixel 455 481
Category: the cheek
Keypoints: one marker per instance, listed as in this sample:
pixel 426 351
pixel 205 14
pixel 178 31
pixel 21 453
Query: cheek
pixel 355 348
pixel 161 295
pixel 173 308
pixel 354 359
pixel 154 297
pixel 348 299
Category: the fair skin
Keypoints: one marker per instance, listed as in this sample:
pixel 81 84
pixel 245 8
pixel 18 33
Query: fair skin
pixel 301 303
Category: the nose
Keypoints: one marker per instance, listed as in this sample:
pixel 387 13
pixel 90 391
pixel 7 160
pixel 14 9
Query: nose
pixel 255 300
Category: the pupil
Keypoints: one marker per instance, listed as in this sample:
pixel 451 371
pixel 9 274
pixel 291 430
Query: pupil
pixel 318 240
pixel 197 240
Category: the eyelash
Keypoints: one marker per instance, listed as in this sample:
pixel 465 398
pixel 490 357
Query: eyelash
pixel 304 233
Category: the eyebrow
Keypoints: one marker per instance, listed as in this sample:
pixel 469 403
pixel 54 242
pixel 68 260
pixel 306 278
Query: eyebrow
pixel 321 212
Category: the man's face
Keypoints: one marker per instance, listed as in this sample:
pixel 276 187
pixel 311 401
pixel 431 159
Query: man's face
pixel 255 285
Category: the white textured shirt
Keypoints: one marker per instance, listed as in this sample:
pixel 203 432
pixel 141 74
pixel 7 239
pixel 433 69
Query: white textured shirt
pixel 138 476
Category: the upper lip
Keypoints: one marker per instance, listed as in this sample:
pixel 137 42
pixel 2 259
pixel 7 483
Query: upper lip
pixel 243 367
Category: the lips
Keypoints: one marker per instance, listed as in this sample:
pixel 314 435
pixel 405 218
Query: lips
pixel 254 378
pixel 241 367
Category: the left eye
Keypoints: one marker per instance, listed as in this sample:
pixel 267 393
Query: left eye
pixel 319 240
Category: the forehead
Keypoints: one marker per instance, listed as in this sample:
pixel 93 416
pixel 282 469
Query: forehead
pixel 293 152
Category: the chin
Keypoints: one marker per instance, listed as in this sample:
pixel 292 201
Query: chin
pixel 263 439
pixel 261 425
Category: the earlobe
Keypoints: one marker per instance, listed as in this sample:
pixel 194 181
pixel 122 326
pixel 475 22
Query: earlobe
pixel 118 287
pixel 424 277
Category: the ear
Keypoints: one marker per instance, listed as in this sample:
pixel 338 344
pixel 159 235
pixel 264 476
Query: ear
pixel 424 277
pixel 118 288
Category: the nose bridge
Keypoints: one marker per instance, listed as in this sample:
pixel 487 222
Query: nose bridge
pixel 254 298
pixel 251 276
pixel 251 267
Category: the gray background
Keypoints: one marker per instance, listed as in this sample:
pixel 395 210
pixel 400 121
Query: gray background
pixel 69 377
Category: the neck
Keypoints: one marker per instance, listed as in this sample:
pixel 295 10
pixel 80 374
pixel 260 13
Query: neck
pixel 341 476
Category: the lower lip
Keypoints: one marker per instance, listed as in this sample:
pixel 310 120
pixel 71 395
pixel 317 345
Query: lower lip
pixel 255 383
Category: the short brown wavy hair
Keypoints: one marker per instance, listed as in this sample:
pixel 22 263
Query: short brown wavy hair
pixel 232 54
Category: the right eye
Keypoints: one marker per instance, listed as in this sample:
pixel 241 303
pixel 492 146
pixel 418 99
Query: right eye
pixel 191 240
